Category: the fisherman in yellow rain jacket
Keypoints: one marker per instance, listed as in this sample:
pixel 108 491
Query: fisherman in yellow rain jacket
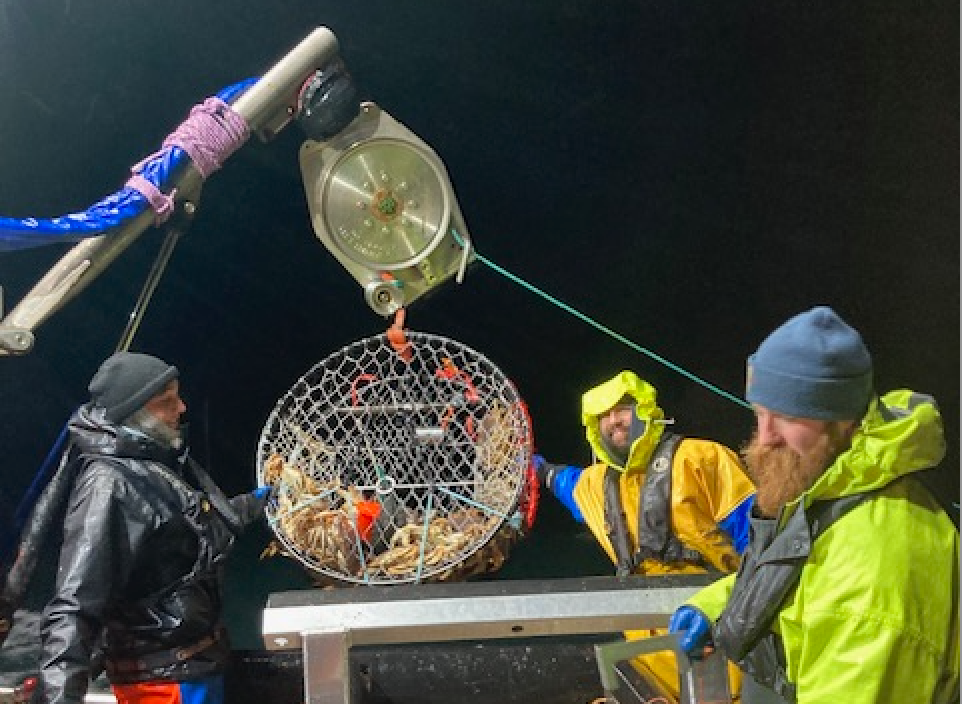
pixel 696 496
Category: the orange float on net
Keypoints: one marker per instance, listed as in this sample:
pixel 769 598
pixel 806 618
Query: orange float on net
pixel 367 513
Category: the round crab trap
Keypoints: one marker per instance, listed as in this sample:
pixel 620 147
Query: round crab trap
pixel 398 462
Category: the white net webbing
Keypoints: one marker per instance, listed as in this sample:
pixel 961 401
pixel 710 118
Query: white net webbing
pixel 389 471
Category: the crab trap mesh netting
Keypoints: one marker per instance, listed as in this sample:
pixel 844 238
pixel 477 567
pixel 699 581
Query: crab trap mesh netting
pixel 396 465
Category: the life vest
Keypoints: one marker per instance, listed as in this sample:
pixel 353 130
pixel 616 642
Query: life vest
pixel 655 537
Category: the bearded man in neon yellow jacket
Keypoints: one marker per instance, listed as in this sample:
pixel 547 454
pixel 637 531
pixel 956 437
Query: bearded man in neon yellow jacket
pixel 657 503
pixel 849 589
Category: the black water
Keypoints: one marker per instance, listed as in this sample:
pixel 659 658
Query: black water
pixel 690 174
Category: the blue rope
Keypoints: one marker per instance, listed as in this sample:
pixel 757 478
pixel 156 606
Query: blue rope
pixel 608 331
pixel 40 481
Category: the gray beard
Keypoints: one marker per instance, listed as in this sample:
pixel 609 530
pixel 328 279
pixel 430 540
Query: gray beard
pixel 145 422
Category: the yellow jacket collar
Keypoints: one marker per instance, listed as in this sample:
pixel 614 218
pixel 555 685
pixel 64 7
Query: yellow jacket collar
pixel 901 433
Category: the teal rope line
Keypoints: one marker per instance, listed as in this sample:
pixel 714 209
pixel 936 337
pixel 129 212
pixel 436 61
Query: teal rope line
pixel 360 550
pixel 470 502
pixel 424 537
pixel 608 331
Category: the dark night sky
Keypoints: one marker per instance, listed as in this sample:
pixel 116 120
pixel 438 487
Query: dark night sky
pixel 690 174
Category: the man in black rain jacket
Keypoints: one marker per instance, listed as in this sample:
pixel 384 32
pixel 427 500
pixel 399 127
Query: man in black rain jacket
pixel 145 537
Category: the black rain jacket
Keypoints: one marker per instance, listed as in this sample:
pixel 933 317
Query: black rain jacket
pixel 141 566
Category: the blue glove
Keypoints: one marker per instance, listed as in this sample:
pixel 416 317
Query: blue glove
pixel 560 480
pixel 545 470
pixel 262 492
pixel 693 625
pixel 250 506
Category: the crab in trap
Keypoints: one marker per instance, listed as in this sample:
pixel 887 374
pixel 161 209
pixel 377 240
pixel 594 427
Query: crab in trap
pixel 391 468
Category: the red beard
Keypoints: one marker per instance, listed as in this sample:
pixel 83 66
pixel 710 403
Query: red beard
pixel 781 475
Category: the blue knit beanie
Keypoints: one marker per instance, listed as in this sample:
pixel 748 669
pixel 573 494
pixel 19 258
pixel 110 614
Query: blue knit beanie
pixel 812 366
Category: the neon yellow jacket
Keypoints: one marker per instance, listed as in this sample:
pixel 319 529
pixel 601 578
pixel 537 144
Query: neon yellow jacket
pixel 708 485
pixel 875 615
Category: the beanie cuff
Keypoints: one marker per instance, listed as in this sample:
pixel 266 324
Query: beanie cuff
pixel 806 397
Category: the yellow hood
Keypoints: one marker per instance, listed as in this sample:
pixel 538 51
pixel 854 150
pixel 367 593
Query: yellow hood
pixel 901 433
pixel 601 399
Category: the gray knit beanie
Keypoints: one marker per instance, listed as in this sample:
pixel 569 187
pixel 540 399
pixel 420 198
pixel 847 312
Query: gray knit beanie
pixel 813 366
pixel 128 380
